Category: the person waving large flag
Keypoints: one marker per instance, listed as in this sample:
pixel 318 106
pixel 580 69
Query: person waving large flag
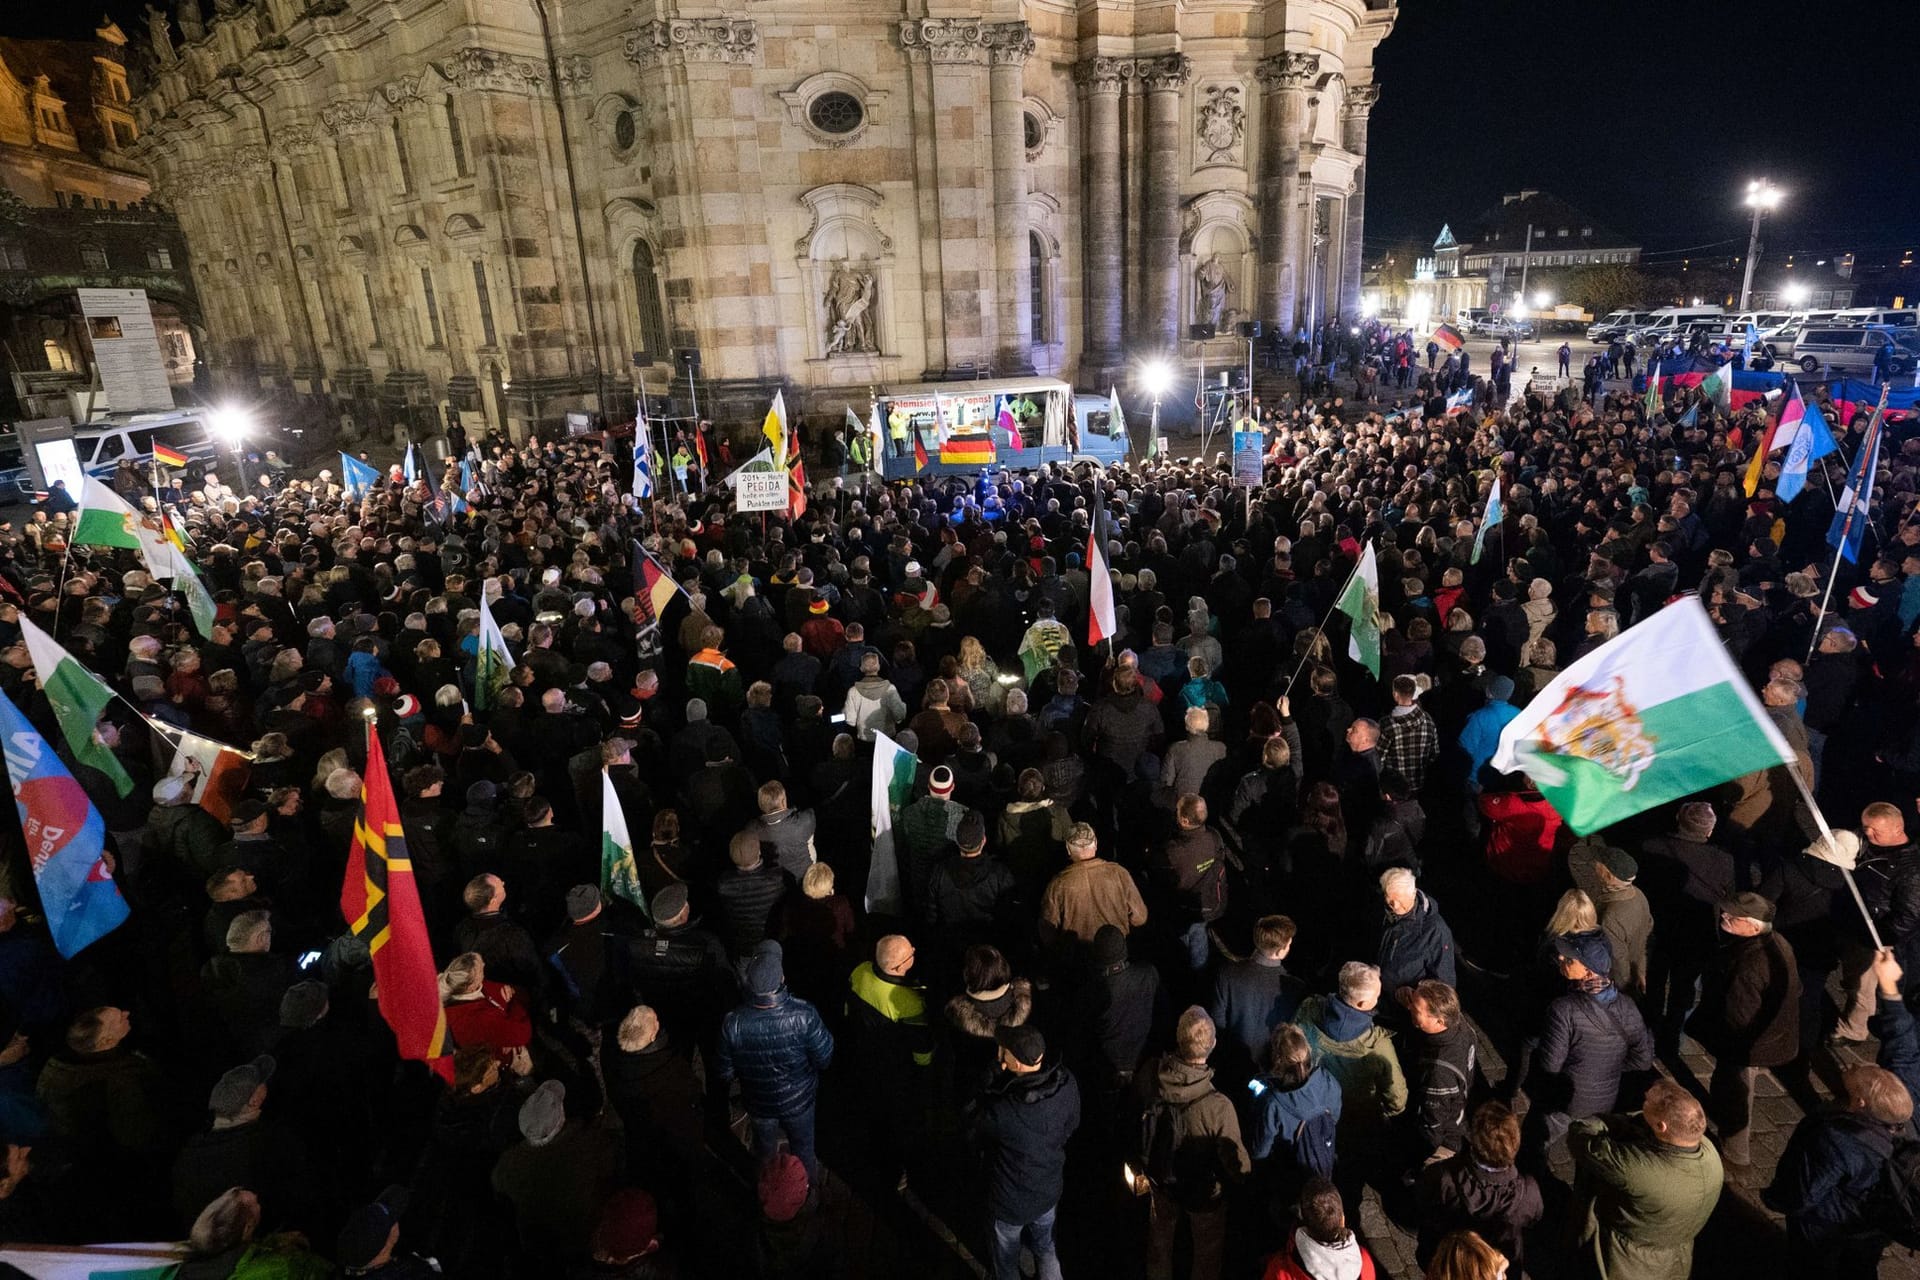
pixel 1491 517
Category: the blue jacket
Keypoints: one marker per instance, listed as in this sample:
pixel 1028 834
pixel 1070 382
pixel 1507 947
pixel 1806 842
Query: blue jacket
pixel 1277 1115
pixel 1831 1166
pixel 1021 1124
pixel 1899 1036
pixel 1480 736
pixel 1250 999
pixel 1414 946
pixel 362 670
pixel 777 1050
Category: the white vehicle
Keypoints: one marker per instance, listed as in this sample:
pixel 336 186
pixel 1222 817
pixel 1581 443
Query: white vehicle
pixel 1669 322
pixel 102 446
pixel 1905 318
pixel 1849 351
pixel 1616 323
pixel 1472 319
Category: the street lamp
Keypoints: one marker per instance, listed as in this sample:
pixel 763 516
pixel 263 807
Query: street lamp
pixel 1762 195
pixel 232 423
pixel 1794 294
pixel 1542 300
pixel 1156 376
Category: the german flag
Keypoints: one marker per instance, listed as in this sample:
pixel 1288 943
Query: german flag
pixel 654 588
pixel 1449 337
pixel 967 450
pixel 381 904
pixel 167 457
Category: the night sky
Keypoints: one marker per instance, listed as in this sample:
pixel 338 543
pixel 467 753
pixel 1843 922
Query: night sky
pixel 1652 116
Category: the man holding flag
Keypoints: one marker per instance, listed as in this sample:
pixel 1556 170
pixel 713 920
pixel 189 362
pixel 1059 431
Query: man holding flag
pixel 1488 519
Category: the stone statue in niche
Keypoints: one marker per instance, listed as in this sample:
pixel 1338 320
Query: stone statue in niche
pixel 1212 288
pixel 161 37
pixel 1222 122
pixel 850 310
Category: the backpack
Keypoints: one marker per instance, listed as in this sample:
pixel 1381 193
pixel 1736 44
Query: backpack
pixel 1163 1128
pixel 1312 1146
pixel 1894 1204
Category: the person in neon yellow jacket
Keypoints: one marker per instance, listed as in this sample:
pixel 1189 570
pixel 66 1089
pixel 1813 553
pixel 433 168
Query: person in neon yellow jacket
pixel 892 1048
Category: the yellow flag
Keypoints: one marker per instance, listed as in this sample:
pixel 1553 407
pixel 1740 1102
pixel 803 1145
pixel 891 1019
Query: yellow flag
pixel 775 427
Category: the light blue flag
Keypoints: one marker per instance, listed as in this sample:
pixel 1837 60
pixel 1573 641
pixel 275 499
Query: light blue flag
pixel 357 477
pixel 409 468
pixel 466 483
pixel 1494 515
pixel 1852 512
pixel 66 839
pixel 1813 441
pixel 643 457
pixel 1691 418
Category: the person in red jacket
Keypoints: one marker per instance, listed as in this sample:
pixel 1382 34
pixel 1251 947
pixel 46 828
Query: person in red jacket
pixel 1321 1247
pixel 484 1013
pixel 1522 830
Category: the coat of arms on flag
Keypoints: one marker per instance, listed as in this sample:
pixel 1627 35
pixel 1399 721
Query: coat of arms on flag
pixel 1600 726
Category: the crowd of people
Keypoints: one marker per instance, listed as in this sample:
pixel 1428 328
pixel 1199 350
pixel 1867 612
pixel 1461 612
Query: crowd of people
pixel 1201 934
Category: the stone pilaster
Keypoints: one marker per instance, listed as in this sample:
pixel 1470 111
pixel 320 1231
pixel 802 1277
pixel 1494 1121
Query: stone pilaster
pixel 1009 44
pixel 1100 81
pixel 1284 79
pixel 1360 100
pixel 956 225
pixel 1163 78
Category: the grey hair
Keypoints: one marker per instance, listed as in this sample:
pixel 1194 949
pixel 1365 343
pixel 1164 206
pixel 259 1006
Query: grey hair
pixel 1359 980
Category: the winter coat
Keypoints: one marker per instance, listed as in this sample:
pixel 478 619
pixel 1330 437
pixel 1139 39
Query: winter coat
pixel 967 897
pixel 1627 921
pixel 1749 1011
pixel 1033 839
pixel 748 900
pixel 1121 1006
pixel 557 1189
pixel 489 1019
pixel 1209 1153
pixel 1590 1041
pixel 786 837
pixel 873 705
pixel 777 1046
pixel 260 1156
pixel 1414 946
pixel 1441 1083
pixel 1021 1124
pixel 1250 999
pixel 1832 1164
pixel 1277 1114
pixel 1360 1056
pixel 1649 1199
pixel 1460 1194
pixel 1192 869
pixel 1087 895
pixel 974 1019
pixel 506 947
pixel 1889 880
pixel 190 834
pixel 1121 727
pixel 658 1100
pixel 100 1100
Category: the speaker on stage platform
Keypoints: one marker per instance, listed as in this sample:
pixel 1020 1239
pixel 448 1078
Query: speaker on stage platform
pixel 1249 328
pixel 1200 332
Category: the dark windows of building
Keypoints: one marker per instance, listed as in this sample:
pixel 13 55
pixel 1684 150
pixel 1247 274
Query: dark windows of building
pixel 1037 297
pixel 433 309
pixel 159 257
pixel 456 140
pixel 625 130
pixel 836 112
pixel 646 289
pixel 402 166
pixel 484 297
pixel 93 257
pixel 1035 132
pixel 13 257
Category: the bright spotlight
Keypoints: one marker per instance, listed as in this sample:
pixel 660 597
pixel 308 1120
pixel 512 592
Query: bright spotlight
pixel 1156 376
pixel 1419 307
pixel 1369 305
pixel 1794 294
pixel 1542 300
pixel 231 424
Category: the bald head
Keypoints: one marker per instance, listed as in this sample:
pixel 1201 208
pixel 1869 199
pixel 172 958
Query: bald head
pixel 893 955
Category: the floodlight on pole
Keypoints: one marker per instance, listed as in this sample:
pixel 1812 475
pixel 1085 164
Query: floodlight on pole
pixel 1794 294
pixel 1762 197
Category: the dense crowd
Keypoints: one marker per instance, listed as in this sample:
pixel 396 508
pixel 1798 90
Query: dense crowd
pixel 1204 914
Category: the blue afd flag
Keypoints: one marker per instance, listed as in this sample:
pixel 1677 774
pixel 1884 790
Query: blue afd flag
pixel 65 839
pixel 410 468
pixel 357 477
pixel 1850 514
pixel 1813 441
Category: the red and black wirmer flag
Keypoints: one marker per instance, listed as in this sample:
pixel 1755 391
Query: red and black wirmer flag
pixel 381 904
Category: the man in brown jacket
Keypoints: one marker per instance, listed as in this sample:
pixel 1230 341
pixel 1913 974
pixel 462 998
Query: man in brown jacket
pixel 1089 893
pixel 1625 918
pixel 1749 1016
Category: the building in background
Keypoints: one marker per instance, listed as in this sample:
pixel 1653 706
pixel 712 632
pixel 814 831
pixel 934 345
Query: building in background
pixel 75 213
pixel 1530 237
pixel 519 211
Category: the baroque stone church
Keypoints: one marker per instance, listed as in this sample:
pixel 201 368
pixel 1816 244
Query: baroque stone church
pixel 511 211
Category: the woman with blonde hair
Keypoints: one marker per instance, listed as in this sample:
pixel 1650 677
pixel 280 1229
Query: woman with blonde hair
pixel 982 676
pixel 1465 1256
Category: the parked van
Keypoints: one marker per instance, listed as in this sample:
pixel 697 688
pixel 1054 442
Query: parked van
pixel 1668 322
pixel 1906 318
pixel 1471 319
pixel 102 446
pixel 1850 352
pixel 1616 323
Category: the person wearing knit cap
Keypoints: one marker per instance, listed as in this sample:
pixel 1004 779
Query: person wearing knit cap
pixel 924 834
pixel 626 1237
pixel 1480 736
pixel 1749 1016
pixel 776 1045
pixel 1592 1037
pixel 791 1233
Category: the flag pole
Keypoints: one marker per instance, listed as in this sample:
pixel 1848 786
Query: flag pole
pixel 1322 629
pixel 1826 833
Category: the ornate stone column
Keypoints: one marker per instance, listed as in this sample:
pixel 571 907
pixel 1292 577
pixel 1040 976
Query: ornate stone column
pixel 1008 46
pixel 1284 79
pixel 1353 119
pixel 1163 78
pixel 1100 80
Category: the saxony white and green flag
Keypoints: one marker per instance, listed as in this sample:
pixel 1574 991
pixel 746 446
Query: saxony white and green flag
pixel 106 520
pixel 619 878
pixel 493 660
pixel 1717 388
pixel 1657 713
pixel 79 698
pixel 1361 603
pixel 893 768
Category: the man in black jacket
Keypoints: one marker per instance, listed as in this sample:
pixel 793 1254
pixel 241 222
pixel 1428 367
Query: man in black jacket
pixel 1253 996
pixel 503 943
pixel 1888 873
pixel 1445 1065
pixel 968 898
pixel 749 894
pixel 1022 1123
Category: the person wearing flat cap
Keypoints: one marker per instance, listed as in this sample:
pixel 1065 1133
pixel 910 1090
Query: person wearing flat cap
pixel 556 1177
pixel 1748 1018
pixel 241 1149
pixel 1020 1124
pixel 1624 917
pixel 1593 1036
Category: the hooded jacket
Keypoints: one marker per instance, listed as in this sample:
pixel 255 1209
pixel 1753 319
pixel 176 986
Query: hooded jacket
pixel 974 1018
pixel 1359 1055
pixel 874 704
pixel 1304 1258
pixel 1021 1124
pixel 776 1046
pixel 1414 946
pixel 1210 1150
pixel 1277 1114
pixel 1461 1194
pixel 1444 1069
